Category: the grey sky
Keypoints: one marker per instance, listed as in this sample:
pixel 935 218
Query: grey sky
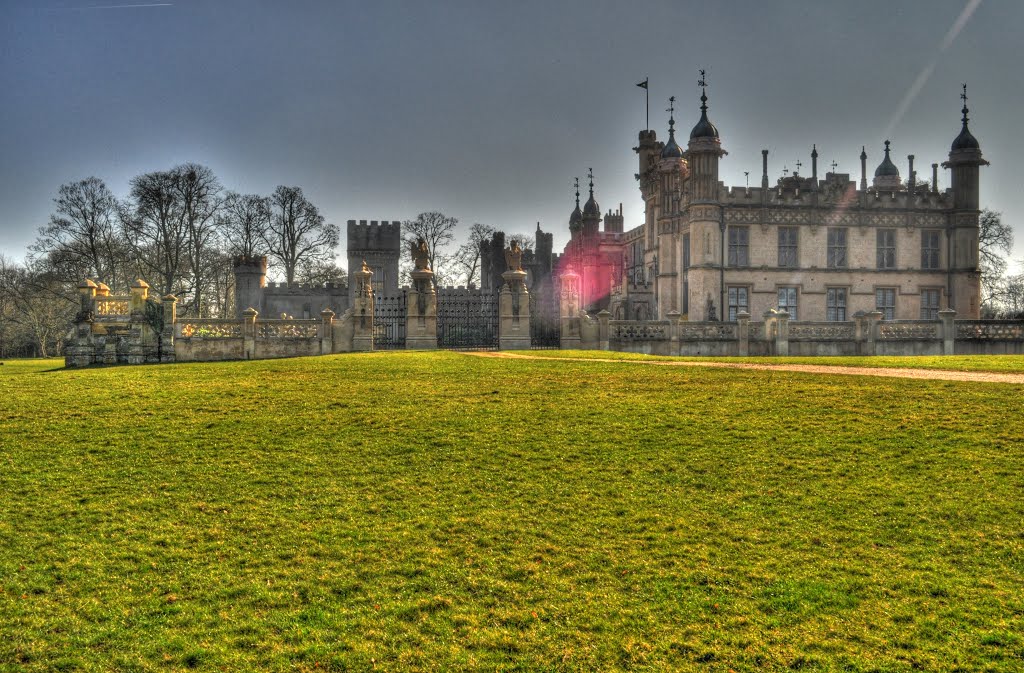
pixel 486 110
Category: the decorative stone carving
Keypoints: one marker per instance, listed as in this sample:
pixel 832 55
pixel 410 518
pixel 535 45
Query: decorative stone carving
pixel 420 255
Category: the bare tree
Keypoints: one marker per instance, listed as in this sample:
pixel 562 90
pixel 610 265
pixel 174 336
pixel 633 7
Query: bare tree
pixel 995 240
pixel 244 221
pixel 466 261
pixel 437 230
pixel 36 308
pixel 320 272
pixel 155 230
pixel 81 239
pixel 297 232
pixel 198 192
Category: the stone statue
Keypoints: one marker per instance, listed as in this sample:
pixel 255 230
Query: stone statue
pixel 420 255
pixel 514 256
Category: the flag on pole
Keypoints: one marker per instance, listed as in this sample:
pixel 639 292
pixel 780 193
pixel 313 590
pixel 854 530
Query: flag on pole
pixel 643 84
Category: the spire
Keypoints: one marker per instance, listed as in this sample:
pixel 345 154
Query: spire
pixel 964 141
pixel 704 127
pixel 590 208
pixel 672 150
pixel 576 219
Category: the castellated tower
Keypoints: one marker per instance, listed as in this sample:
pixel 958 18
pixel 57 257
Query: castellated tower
pixel 380 245
pixel 250 279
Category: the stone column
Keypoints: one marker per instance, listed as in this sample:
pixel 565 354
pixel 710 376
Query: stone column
pixel 673 332
pixel 326 331
pixel 362 309
pixel 138 328
pixel 871 331
pixel 514 312
pixel 79 352
pixel 603 316
pixel 249 333
pixel 421 320
pixel 569 308
pixel 782 333
pixel 743 333
pixel 948 331
pixel 170 309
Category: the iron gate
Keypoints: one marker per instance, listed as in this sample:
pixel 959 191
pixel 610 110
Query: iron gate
pixel 467 319
pixel 389 321
pixel 545 329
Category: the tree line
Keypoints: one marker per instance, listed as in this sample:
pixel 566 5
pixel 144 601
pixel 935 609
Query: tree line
pixel 177 229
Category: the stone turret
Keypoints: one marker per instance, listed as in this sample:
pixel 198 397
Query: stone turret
pixel 964 162
pixel 250 279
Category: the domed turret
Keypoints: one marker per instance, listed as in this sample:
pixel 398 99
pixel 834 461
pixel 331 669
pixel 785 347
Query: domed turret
pixel 887 167
pixel 965 141
pixel 672 150
pixel 704 127
pixel 590 208
pixel 887 176
pixel 576 218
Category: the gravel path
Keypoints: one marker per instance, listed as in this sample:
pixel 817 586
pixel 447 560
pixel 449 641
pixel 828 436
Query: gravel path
pixel 887 372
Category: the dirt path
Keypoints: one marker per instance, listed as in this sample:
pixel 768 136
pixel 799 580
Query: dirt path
pixel 887 372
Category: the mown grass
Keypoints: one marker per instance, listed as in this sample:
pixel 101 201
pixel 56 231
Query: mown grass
pixel 413 511
pixel 1010 364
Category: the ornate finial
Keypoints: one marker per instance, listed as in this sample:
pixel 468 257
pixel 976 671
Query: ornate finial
pixel 590 176
pixel 577 192
pixel 671 116
pixel 703 84
pixel 814 151
pixel 886 148
pixel 834 164
pixel 863 152
pixel 746 174
pixel 963 97
pixel 785 170
pixel 798 166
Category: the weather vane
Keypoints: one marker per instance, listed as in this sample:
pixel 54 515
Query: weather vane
pixel 798 167
pixel 703 80
pixel 746 174
pixel 785 171
pixel 834 164
pixel 671 106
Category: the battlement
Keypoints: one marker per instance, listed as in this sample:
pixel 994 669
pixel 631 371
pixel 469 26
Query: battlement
pixel 374 235
pixel 614 221
pixel 281 289
pixel 243 263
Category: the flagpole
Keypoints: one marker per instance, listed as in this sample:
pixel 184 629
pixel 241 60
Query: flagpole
pixel 647 96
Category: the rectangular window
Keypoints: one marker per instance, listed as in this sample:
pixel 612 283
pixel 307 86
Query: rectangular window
pixel 739 246
pixel 787 301
pixel 929 249
pixel 788 247
pixel 686 273
pixel 886 247
pixel 836 248
pixel 737 302
pixel 835 304
pixel 930 304
pixel 885 301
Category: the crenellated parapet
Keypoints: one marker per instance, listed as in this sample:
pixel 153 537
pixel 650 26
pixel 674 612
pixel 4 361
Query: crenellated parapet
pixel 378 243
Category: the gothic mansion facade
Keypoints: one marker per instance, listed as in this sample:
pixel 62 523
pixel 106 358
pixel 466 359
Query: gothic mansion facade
pixel 820 249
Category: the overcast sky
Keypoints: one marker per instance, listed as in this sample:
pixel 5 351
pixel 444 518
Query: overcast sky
pixel 486 110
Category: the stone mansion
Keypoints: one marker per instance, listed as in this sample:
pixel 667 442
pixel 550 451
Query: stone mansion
pixel 822 249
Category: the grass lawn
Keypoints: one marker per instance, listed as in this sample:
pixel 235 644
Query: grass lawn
pixel 414 511
pixel 1010 364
